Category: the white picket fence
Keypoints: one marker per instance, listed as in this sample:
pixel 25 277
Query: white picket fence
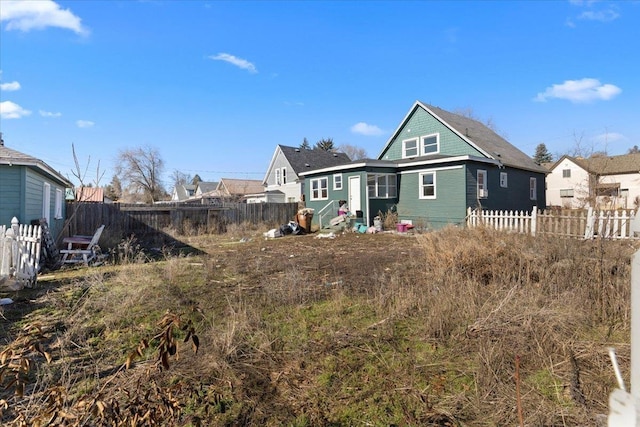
pixel 587 224
pixel 19 254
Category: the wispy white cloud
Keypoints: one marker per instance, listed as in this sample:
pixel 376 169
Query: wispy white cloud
pixel 11 110
pixel 363 128
pixel 580 91
pixel 234 60
pixel 610 137
pixel 49 114
pixel 594 10
pixel 9 87
pixel 27 15
pixel 84 123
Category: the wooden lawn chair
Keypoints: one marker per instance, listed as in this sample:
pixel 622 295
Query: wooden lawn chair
pixel 81 248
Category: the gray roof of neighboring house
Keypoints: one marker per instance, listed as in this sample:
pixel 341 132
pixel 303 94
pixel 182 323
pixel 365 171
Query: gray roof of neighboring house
pixel 607 165
pixel 302 159
pixel 182 190
pixel 206 186
pixel 10 157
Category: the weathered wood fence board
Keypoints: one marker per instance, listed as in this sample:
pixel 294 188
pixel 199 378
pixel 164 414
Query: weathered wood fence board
pixel 151 222
pixel 577 223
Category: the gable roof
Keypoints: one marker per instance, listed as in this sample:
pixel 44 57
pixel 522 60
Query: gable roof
pixel 476 134
pixel 606 165
pixel 240 186
pixel 12 157
pixel 206 186
pixel 302 159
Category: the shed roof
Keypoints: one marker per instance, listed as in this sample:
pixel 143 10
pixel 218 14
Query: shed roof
pixel 12 157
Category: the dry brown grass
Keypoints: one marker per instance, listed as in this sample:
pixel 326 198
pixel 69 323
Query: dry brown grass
pixel 364 329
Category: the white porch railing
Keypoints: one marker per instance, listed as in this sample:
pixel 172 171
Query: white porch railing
pixel 19 254
pixel 326 213
pixel 587 224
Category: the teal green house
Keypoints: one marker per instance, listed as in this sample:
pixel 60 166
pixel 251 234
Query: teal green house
pixel 30 190
pixel 433 167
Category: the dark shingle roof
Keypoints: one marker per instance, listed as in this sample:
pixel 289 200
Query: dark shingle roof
pixel 302 160
pixel 486 139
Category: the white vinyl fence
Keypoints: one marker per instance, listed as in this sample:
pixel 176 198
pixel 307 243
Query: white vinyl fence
pixel 578 223
pixel 19 254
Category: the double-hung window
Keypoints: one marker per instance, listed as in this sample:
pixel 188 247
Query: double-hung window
pixel 533 189
pixel 284 176
pixel 410 148
pixel 382 186
pixel 320 188
pixel 430 144
pixel 427 185
pixel 337 181
pixel 566 173
pixel 483 191
pixel 278 180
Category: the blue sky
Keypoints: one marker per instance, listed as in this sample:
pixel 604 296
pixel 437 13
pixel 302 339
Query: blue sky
pixel 215 85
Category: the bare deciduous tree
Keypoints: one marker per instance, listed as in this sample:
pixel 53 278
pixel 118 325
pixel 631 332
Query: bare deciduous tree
pixel 354 153
pixel 140 169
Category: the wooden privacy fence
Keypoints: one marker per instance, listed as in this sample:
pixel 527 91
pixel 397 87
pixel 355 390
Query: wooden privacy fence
pixel 151 221
pixel 19 254
pixel 577 223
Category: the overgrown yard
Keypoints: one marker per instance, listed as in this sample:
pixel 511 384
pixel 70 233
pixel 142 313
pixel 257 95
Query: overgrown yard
pixel 375 330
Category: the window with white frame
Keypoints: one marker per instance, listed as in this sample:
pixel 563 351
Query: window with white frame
pixel 337 181
pixel 410 147
pixel 430 144
pixel 566 173
pixel 382 186
pixel 483 191
pixel 427 185
pixel 566 192
pixel 320 188
pixel 278 181
pixel 46 202
pixel 58 207
pixel 503 179
pixel 284 176
pixel 533 189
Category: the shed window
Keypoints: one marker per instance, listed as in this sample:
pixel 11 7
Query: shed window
pixel 46 202
pixel 58 210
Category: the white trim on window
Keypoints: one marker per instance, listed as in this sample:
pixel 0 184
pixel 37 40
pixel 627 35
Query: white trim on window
pixel 482 188
pixel 337 181
pixel 430 144
pixel 46 202
pixel 503 180
pixel 410 148
pixel 278 181
pixel 427 185
pixel 319 189
pixel 533 187
pixel 382 185
pixel 58 206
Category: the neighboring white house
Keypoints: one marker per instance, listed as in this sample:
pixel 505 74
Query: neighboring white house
pixel 602 182
pixel 287 163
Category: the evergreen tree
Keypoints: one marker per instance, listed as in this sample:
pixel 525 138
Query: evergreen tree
pixel 305 145
pixel 196 179
pixel 542 155
pixel 325 144
pixel 114 189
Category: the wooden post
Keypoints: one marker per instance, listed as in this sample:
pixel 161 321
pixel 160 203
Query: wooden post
pixel 534 219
